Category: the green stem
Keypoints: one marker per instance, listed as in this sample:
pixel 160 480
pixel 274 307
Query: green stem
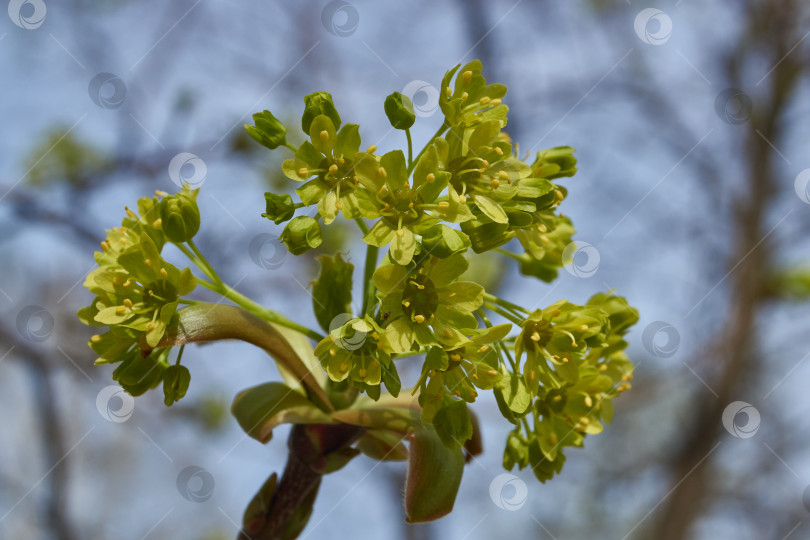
pixel 180 354
pixel 291 147
pixel 260 311
pixel 505 303
pixel 503 313
pixel 498 344
pixel 509 254
pixel 193 258
pixel 438 133
pixel 362 225
pixel 410 148
pixel 370 289
pixel 372 252
pixel 211 272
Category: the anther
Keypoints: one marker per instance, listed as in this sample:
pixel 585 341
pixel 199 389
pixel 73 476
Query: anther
pixel 400 233
pixel 157 223
pixel 430 178
pixel 466 76
pixel 333 168
pixel 128 303
pixel 382 173
pixel 303 171
pixel 95 338
pixel 484 100
pixel 163 273
pixel 371 149
pixel 324 135
pixel 419 319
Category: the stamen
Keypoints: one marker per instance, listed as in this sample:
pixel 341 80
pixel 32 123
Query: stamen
pixel 324 135
pixel 431 178
pixel 419 319
pixel 333 168
pixel 95 338
pixel 371 149
pixel 466 76
pixel 157 223
pixel 303 171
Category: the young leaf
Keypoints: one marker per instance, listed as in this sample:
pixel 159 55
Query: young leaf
pixel 332 291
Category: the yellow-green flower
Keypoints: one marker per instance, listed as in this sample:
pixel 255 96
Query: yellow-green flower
pixel 425 303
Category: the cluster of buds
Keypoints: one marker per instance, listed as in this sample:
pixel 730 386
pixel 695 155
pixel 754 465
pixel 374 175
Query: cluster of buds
pixel 468 191
pixel 137 290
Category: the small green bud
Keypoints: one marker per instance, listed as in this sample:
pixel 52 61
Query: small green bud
pixel 175 384
pixel 302 234
pixel 316 104
pixel 180 216
pixel 280 208
pixel 399 110
pixel 268 131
